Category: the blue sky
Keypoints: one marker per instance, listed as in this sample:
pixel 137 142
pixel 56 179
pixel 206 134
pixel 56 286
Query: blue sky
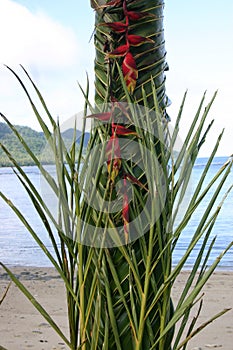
pixel 51 39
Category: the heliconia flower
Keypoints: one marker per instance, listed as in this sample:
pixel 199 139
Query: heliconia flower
pixel 121 130
pixel 130 72
pixel 118 27
pixel 113 147
pixel 125 216
pixel 134 16
pixel 125 213
pixel 119 51
pixel 105 116
pixel 113 153
pixel 135 181
pixel 113 166
pixel 137 40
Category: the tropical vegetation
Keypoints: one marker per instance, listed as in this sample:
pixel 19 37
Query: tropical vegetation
pixel 113 235
pixel 35 140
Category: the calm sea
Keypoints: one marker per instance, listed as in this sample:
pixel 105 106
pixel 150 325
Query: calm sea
pixel 18 248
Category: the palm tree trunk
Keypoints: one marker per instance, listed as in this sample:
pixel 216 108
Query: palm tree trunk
pixel 150 57
pixel 130 34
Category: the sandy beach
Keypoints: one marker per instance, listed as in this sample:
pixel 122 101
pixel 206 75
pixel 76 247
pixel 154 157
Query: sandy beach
pixel 22 327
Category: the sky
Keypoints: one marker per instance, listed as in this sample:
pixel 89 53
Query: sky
pixel 50 38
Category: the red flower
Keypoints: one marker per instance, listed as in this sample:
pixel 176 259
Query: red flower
pixel 119 51
pixel 135 181
pixel 118 27
pixel 137 40
pixel 121 130
pixel 113 157
pixel 125 213
pixel 130 72
pixel 113 147
pixel 135 16
pixel 105 116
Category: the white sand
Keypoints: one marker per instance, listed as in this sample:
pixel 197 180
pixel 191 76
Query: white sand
pixel 22 327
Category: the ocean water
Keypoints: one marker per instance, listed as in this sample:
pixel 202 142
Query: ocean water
pixel 17 247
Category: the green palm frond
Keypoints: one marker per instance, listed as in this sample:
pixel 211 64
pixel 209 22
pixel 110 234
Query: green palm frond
pixel 116 297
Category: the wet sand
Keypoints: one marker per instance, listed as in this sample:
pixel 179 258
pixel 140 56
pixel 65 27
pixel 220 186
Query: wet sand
pixel 22 327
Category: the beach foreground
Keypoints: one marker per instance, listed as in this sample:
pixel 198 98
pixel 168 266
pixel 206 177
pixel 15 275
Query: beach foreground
pixel 22 327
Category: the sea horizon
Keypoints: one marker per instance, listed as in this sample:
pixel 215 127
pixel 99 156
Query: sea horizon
pixel 17 248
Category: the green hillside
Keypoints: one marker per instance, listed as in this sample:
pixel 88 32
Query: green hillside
pixel 35 140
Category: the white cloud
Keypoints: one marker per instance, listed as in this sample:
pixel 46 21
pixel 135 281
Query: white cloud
pixel 52 56
pixel 61 93
pixel 34 39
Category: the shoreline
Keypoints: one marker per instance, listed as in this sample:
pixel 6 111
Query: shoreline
pixel 22 327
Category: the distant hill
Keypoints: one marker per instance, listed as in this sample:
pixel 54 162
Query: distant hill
pixel 69 134
pixel 35 140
